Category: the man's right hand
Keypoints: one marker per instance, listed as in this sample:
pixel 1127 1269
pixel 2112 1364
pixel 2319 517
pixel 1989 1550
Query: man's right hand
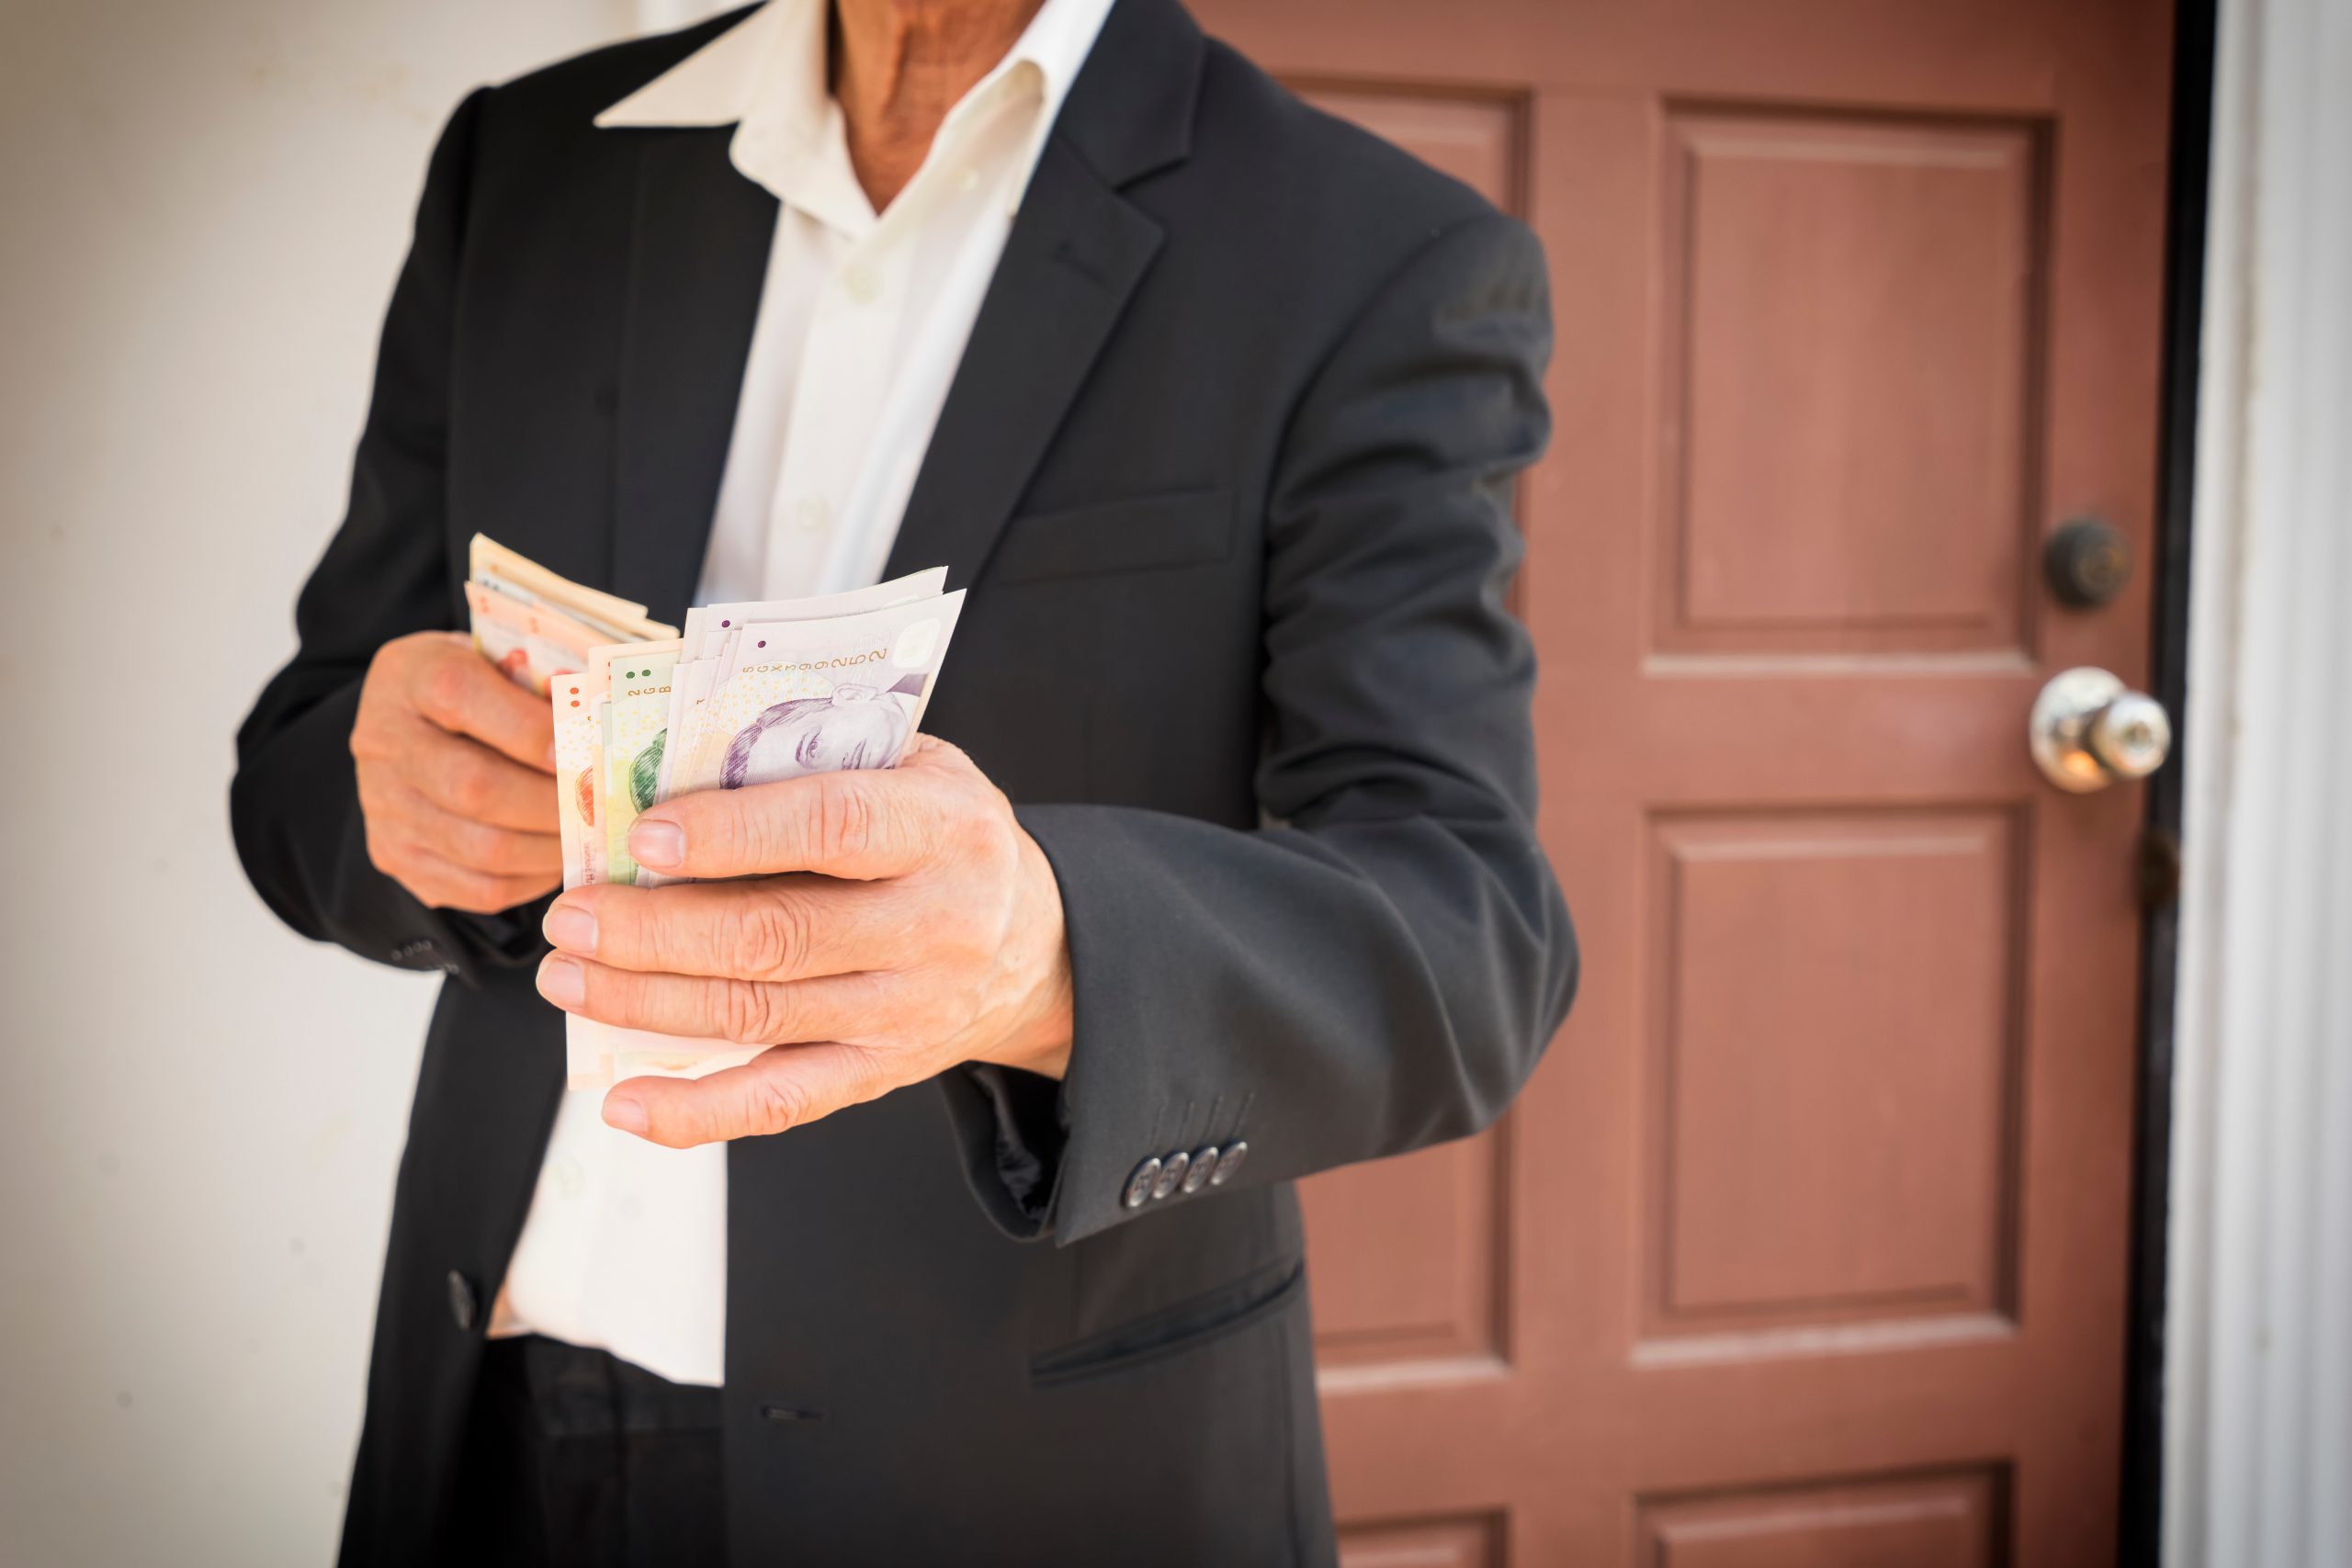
pixel 457 769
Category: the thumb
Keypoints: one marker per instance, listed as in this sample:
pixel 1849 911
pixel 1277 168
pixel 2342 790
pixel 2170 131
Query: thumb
pixel 930 754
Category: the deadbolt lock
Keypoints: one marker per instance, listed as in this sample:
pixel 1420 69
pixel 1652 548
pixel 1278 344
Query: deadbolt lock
pixel 2086 562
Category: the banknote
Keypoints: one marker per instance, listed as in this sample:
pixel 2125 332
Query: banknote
pixel 535 626
pixel 635 732
pixel 530 643
pixel 781 698
pixel 748 694
pixel 711 632
pixel 579 751
pixel 519 578
pixel 786 698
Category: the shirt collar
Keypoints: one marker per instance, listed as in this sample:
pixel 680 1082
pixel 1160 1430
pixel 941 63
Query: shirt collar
pixel 766 77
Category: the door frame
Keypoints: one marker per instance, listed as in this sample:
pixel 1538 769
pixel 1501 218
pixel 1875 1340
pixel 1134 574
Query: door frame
pixel 2257 1384
pixel 2139 1520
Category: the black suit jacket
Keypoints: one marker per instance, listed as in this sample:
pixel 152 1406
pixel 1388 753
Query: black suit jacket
pixel 1227 467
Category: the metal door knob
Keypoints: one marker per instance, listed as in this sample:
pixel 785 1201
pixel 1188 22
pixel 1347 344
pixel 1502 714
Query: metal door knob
pixel 2089 730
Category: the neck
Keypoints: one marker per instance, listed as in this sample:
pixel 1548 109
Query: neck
pixel 899 66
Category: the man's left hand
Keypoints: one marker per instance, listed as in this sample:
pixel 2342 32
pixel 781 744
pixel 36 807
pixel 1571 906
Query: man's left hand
pixel 900 922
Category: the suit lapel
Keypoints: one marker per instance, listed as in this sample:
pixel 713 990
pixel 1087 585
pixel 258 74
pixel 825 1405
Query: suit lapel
pixel 1074 256
pixel 1076 253
pixel 699 254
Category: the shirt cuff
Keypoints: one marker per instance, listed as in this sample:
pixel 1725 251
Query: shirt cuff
pixel 1016 1173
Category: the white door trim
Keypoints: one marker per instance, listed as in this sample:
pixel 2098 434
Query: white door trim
pixel 2258 1422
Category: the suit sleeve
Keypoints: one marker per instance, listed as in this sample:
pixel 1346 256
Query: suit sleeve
pixel 294 806
pixel 1381 968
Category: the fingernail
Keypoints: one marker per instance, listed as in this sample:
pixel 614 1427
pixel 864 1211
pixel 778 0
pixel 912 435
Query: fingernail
pixel 563 983
pixel 570 928
pixel 658 844
pixel 625 1114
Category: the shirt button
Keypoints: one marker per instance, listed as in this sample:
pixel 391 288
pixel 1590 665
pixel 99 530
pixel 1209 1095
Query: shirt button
pixel 863 284
pixel 811 513
pixel 569 1177
pixel 968 178
pixel 461 1302
pixel 1139 1185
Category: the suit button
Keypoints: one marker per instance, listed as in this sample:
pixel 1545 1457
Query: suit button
pixel 461 1302
pixel 1203 1166
pixel 1228 1162
pixel 1172 1175
pixel 1139 1185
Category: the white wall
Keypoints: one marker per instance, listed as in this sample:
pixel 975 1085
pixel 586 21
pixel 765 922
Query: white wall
pixel 201 210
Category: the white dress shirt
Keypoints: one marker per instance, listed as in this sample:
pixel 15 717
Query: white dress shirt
pixel 862 322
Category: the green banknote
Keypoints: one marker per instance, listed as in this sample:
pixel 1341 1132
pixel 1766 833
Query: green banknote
pixel 636 723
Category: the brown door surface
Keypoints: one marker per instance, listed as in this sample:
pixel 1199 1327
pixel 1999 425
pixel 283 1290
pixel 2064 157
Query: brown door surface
pixel 1807 1245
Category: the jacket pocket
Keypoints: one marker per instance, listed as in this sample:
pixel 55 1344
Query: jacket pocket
pixel 1185 528
pixel 1196 1321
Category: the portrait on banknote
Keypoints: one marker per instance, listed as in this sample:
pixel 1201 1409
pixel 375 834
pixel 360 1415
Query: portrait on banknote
pixel 856 725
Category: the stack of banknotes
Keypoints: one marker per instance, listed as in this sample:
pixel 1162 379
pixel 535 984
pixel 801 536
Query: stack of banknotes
pixel 748 694
pixel 535 625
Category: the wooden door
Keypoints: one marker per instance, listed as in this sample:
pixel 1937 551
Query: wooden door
pixel 1808 1243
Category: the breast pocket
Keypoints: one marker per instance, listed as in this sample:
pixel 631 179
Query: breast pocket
pixel 1148 533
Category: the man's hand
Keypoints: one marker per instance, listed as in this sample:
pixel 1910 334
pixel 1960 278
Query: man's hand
pixel 902 923
pixel 456 776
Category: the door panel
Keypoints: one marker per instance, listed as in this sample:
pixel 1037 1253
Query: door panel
pixel 1807 1243
pixel 1950 1521
pixel 1846 332
pixel 1826 1149
pixel 1439 1543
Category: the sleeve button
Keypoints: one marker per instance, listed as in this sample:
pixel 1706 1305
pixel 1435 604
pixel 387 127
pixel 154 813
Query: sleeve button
pixel 1203 1166
pixel 1172 1174
pixel 1139 1185
pixel 1228 1162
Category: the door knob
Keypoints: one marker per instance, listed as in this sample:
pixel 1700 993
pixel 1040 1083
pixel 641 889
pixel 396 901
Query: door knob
pixel 2088 729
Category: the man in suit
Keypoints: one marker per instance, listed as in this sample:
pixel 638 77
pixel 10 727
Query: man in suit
pixel 1218 867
